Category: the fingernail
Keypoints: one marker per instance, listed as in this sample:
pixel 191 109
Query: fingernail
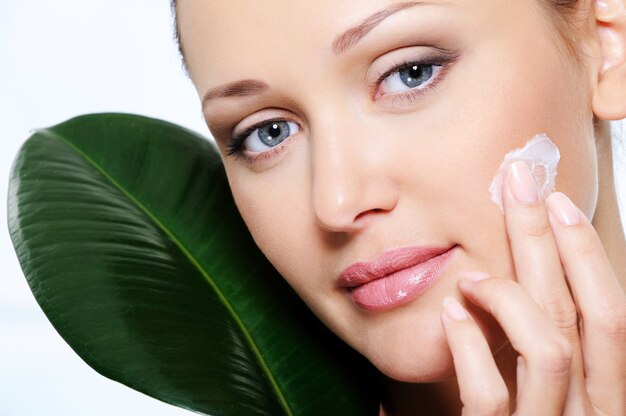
pixel 454 309
pixel 473 276
pixel 522 183
pixel 563 209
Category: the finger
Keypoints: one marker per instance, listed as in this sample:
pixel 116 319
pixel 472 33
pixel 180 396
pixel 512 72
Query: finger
pixel 538 266
pixel 535 254
pixel 600 299
pixel 483 391
pixel 546 352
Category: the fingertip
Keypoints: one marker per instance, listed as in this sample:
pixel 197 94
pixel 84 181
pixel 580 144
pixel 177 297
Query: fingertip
pixel 523 186
pixel 472 276
pixel 454 309
pixel 563 209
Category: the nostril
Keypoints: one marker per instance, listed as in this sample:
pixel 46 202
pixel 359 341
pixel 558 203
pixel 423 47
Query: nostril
pixel 371 211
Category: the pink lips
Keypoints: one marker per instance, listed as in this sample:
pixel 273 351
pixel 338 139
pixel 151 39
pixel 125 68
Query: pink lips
pixel 396 276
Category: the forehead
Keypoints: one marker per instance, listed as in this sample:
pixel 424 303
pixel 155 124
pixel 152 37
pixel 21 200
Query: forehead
pixel 236 29
pixel 247 19
pixel 229 39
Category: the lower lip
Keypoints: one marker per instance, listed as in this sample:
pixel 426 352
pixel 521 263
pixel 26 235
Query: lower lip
pixel 402 286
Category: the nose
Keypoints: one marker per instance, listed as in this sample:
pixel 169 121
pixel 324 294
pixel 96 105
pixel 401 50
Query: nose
pixel 352 180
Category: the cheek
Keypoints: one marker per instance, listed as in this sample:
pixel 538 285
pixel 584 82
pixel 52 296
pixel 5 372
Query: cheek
pixel 275 206
pixel 492 107
pixel 277 209
pixel 578 173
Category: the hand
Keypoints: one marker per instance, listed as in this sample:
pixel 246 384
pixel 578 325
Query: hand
pixel 571 340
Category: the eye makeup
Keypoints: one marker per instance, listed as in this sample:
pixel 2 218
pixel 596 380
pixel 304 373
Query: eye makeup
pixel 395 79
pixel 437 62
pixel 239 139
pixel 400 60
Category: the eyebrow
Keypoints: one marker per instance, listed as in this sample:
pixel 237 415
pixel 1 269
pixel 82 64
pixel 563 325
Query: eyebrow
pixel 342 42
pixel 353 35
pixel 241 88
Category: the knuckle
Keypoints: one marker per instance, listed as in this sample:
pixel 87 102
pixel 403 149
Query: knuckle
pixel 611 322
pixel 562 312
pixel 555 357
pixel 535 224
pixel 587 245
pixel 488 401
pixel 497 403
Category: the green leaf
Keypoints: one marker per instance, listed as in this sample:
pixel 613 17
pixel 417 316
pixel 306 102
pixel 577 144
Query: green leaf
pixel 131 243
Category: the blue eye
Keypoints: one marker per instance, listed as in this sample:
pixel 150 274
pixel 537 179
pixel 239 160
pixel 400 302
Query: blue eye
pixel 408 77
pixel 268 135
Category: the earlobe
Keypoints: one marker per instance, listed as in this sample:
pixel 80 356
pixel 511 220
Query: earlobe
pixel 609 99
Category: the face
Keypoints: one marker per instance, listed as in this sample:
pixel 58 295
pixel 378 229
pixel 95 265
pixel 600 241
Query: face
pixel 360 145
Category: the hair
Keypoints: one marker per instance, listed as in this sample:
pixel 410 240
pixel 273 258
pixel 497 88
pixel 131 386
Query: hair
pixel 177 41
pixel 566 16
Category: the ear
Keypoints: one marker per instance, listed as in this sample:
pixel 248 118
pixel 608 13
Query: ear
pixel 609 98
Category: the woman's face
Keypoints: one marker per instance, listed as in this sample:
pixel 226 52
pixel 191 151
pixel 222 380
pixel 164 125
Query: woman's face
pixel 352 141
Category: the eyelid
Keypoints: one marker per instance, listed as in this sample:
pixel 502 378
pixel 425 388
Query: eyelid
pixel 421 89
pixel 259 118
pixel 235 146
pixel 405 64
pixel 238 138
pixel 443 60
pixel 396 59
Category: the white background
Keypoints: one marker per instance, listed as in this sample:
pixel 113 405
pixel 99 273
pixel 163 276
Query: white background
pixel 59 59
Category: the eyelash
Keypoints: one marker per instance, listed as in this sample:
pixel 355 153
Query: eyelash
pixel 408 97
pixel 236 144
pixel 235 147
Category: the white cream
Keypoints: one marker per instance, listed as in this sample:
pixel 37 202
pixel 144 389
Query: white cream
pixel 542 157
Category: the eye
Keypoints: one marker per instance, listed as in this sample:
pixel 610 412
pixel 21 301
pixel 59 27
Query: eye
pixel 408 77
pixel 266 135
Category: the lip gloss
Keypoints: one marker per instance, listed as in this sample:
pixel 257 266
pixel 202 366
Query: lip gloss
pixel 390 282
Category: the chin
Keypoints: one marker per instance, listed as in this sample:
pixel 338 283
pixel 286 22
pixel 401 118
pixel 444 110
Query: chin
pixel 434 366
pixel 424 357
pixel 418 356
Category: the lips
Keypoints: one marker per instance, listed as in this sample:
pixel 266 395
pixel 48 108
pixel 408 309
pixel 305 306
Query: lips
pixel 396 276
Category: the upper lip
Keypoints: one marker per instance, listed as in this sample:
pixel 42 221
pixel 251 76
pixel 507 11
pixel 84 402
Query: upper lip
pixel 387 263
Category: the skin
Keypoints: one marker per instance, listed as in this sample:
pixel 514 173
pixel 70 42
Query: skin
pixel 367 171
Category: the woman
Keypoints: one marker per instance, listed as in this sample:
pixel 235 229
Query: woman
pixel 360 139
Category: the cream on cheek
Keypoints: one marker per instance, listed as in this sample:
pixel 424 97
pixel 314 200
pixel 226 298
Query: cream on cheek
pixel 542 157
